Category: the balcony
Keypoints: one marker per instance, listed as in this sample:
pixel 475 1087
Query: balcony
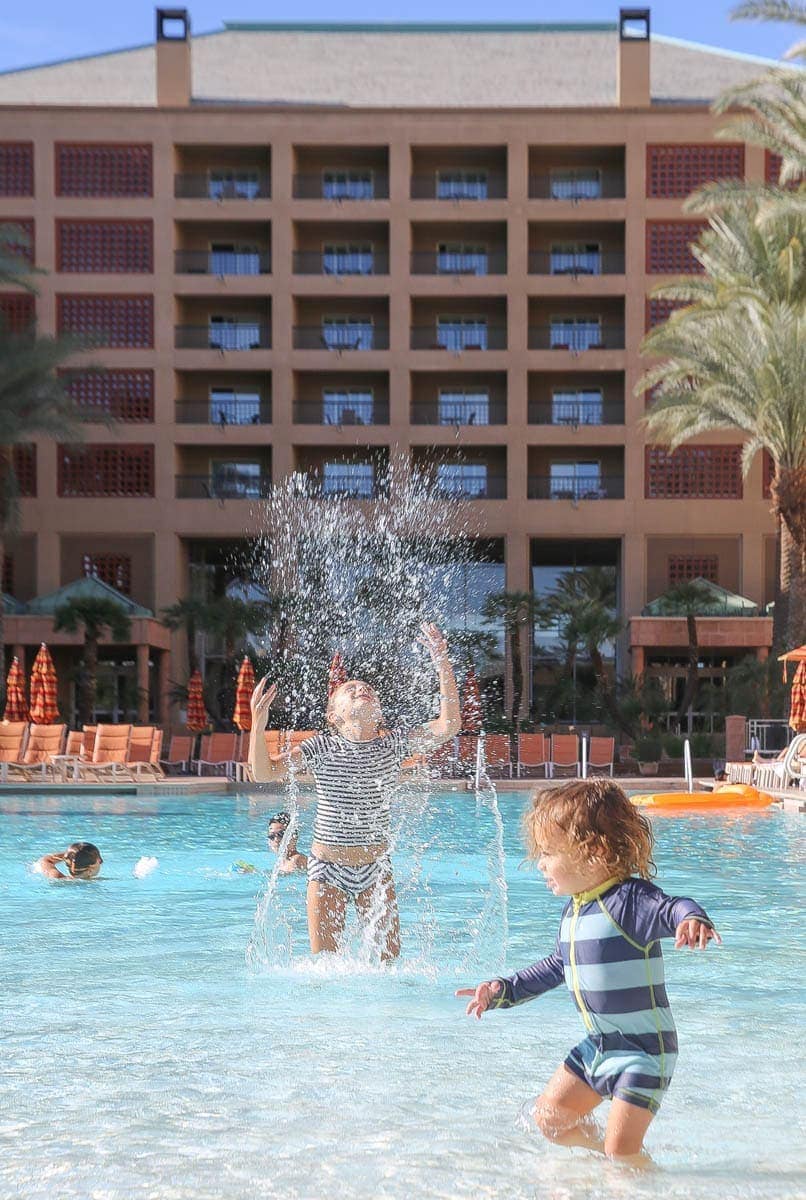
pixel 224 184
pixel 576 262
pixel 460 410
pixel 576 487
pixel 576 336
pixel 457 337
pixel 460 184
pixel 341 262
pixel 222 487
pixel 221 263
pixel 225 410
pixel 472 262
pixel 342 186
pixel 578 410
pixel 356 481
pixel 342 408
pixel 223 337
pixel 471 484
pixel 577 184
pixel 342 337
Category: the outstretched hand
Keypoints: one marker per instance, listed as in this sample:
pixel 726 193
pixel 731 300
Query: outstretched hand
pixel 434 642
pixel 483 996
pixel 695 934
pixel 262 699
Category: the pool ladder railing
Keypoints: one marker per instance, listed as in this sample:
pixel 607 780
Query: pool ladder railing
pixel 687 765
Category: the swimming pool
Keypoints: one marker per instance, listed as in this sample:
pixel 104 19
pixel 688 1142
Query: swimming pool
pixel 143 1057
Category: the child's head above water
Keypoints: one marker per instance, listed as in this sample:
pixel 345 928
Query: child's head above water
pixel 354 703
pixel 584 832
pixel 83 860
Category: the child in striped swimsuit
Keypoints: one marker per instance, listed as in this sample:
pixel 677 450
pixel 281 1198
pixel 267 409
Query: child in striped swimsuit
pixel 590 843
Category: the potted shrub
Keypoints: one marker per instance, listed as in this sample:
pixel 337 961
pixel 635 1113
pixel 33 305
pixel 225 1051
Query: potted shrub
pixel 647 750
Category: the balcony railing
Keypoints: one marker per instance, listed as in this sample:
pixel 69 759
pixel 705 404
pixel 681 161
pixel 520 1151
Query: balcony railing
pixel 341 338
pixel 251 185
pixel 572 487
pixel 493 487
pixel 316 187
pixel 433 337
pixel 576 337
pixel 346 485
pixel 209 487
pixel 477 185
pixel 222 337
pixel 221 262
pixel 456 412
pixel 347 412
pixel 223 412
pixel 576 263
pixel 435 262
pixel 547 185
pixel 576 412
pixel 313 262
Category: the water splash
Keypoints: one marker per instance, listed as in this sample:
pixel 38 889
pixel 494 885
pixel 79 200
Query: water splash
pixel 360 579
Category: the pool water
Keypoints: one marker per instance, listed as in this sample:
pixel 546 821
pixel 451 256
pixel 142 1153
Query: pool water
pixel 144 1057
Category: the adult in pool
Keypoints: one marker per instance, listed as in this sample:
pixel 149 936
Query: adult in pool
pixel 293 859
pixel 355 765
pixel 82 859
pixel 590 843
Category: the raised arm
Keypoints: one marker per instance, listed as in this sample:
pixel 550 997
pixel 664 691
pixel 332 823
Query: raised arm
pixel 264 768
pixel 448 723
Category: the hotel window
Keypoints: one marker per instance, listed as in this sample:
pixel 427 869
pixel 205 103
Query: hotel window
pixel 466 407
pixel 462 258
pixel 576 258
pixel 683 567
pixel 668 247
pixel 347 406
pixel 461 333
pixel 105 247
pixel 462 479
pixel 462 185
pixel 115 570
pixel 106 471
pixel 694 472
pixel 578 183
pixel 235 479
pixel 348 185
pixel 122 321
pixel 234 258
pixel 576 480
pixel 347 333
pixel 103 169
pixel 658 311
pixel 16 168
pixel 233 185
pixel 576 333
pixel 348 479
pixel 233 333
pixel 231 407
pixel 678 170
pixel 124 395
pixel 348 258
pixel 576 406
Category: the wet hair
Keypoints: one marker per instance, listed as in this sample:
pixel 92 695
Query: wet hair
pixel 329 713
pixel 83 854
pixel 596 819
pixel 281 818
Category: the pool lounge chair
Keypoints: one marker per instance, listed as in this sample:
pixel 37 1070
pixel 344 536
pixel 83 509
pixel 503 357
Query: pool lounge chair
pixel 44 742
pixel 217 754
pixel 13 735
pixel 467 749
pixel 533 753
pixel 786 771
pixel 110 752
pixel 498 753
pixel 144 750
pixel 180 752
pixel 441 763
pixel 564 755
pixel 601 752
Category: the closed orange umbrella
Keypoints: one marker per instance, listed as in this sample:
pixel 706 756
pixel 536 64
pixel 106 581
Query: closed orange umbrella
pixel 337 675
pixel 797 699
pixel 471 704
pixel 16 708
pixel 44 705
pixel 797 655
pixel 242 717
pixel 197 718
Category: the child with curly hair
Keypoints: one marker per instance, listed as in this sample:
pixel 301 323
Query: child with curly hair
pixel 592 845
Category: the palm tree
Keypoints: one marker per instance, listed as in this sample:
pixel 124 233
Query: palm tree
pixel 96 614
pixel 688 599
pixel 735 359
pixel 516 611
pixel 32 398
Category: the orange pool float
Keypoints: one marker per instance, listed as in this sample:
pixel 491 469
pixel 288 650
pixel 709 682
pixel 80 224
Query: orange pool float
pixel 724 795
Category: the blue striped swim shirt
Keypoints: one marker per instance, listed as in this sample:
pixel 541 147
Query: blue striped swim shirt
pixel 609 955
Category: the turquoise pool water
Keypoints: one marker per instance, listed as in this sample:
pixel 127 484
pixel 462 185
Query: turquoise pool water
pixel 143 1058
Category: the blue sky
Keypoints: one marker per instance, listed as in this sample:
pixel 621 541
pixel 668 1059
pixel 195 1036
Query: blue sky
pixel 53 29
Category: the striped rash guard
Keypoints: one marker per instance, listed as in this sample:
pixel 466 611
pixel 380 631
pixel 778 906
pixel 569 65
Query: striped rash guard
pixel 355 782
pixel 609 955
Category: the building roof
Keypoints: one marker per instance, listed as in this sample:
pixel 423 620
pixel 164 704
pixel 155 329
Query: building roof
pixel 717 602
pixel 390 66
pixel 88 587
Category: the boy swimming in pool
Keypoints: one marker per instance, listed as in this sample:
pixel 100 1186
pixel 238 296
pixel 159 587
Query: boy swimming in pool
pixel 355 764
pixel 592 845
pixel 82 859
